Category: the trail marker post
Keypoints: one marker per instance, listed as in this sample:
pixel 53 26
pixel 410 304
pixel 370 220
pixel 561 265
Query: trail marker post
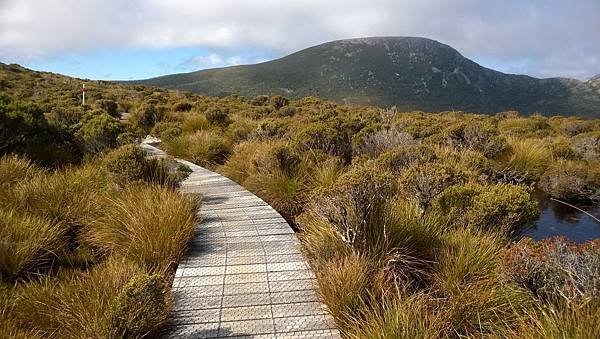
pixel 83 95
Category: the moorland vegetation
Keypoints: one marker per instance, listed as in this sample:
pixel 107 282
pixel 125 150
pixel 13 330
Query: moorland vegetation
pixel 409 219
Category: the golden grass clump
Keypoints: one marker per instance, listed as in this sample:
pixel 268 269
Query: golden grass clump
pixel 153 234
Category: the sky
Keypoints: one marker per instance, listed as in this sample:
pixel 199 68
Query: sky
pixel 135 39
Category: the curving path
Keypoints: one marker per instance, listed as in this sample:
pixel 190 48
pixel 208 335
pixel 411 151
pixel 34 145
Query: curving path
pixel 244 274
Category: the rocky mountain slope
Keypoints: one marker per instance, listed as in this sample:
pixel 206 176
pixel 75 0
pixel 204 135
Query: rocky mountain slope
pixel 409 73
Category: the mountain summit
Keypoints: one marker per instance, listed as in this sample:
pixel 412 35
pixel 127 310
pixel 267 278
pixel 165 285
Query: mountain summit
pixel 406 72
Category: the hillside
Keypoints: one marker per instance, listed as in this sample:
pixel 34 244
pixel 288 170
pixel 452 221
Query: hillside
pixel 409 73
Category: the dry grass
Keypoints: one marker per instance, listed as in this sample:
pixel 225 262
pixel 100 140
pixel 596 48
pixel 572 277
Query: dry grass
pixel 153 233
pixel 29 244
pixel 205 147
pixel 81 258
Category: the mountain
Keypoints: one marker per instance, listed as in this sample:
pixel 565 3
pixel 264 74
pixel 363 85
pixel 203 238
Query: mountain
pixel 406 72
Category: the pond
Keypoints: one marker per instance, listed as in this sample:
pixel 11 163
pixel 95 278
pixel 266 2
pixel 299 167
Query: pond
pixel 557 219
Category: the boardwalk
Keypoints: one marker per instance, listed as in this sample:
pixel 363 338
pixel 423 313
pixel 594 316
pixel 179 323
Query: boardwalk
pixel 244 274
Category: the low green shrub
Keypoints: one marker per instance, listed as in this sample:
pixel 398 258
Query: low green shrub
pixel 423 183
pixel 569 180
pixel 99 132
pixel 399 159
pixel 129 164
pixel 140 307
pixel 499 207
pixel 218 117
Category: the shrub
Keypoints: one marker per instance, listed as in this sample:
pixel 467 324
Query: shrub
pixel 147 115
pixel 503 207
pixel 182 106
pixel 587 145
pixel 555 270
pixel 378 142
pixel 260 100
pixel 109 106
pixel 166 130
pixel 423 183
pixel 534 126
pixel 218 117
pixel 476 136
pixel 286 111
pixel 320 136
pixel 270 128
pixel 561 148
pixel 567 180
pixel 100 132
pixel 240 130
pixel 26 131
pixel 277 101
pixel 140 307
pixel 401 158
pixel 356 198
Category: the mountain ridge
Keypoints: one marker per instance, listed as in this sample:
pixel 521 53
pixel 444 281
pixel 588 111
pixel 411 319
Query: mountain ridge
pixel 411 73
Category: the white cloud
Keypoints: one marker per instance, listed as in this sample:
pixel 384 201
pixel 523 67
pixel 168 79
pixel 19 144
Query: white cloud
pixel 552 37
pixel 211 61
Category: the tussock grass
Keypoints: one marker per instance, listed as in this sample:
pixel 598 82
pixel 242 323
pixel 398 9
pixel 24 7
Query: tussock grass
pixel 404 316
pixel 205 148
pixel 563 322
pixel 286 193
pixel 29 244
pixel 153 234
pixel 528 157
pixel 91 305
pixel 82 257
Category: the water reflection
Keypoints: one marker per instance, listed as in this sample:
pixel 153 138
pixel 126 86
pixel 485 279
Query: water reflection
pixel 557 219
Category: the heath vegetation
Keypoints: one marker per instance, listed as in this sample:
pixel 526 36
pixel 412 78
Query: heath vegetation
pixel 408 218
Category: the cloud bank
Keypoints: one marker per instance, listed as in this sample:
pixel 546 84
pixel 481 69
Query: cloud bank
pixel 538 37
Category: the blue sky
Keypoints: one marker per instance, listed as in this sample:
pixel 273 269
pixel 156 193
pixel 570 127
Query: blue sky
pixel 133 39
pixel 140 63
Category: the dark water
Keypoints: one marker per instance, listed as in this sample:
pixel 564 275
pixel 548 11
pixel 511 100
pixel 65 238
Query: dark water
pixel 557 219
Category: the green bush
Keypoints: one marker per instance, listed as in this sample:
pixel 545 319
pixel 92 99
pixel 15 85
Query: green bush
pixel 218 117
pixel 499 207
pixel 277 101
pixel 140 307
pixel 568 180
pixel 423 183
pixel 399 159
pixel 99 132
pixel 109 106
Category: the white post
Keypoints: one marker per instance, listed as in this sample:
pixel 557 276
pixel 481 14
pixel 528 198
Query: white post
pixel 83 97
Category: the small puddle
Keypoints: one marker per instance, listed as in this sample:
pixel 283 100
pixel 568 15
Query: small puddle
pixel 557 219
